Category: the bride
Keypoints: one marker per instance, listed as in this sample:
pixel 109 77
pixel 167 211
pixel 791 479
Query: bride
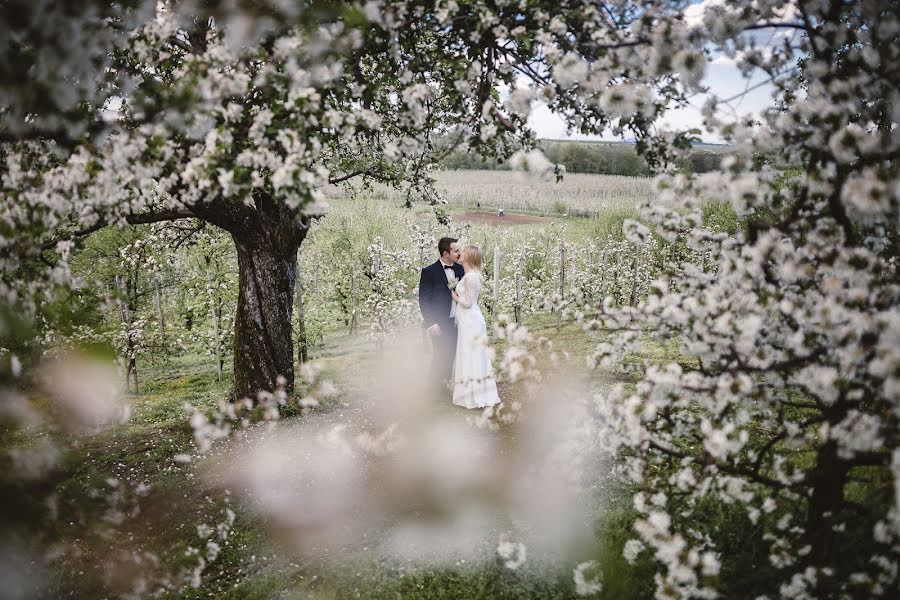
pixel 473 376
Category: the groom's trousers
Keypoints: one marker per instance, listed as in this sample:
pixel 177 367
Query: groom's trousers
pixel 444 347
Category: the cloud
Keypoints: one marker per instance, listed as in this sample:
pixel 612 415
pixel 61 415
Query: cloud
pixel 693 14
pixel 724 60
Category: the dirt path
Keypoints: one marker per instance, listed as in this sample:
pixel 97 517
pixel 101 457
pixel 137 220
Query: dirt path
pixel 507 219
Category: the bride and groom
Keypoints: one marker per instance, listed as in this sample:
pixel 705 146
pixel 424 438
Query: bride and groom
pixel 448 299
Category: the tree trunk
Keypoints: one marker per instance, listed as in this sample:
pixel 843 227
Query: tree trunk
pixel 826 502
pixel 262 334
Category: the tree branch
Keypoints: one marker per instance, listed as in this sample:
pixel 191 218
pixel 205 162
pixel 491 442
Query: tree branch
pixel 134 219
pixel 351 175
pixel 157 216
pixel 774 25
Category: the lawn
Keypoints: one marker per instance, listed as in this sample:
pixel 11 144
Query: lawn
pixel 104 471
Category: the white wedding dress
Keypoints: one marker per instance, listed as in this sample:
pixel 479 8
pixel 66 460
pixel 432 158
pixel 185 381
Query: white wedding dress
pixel 473 376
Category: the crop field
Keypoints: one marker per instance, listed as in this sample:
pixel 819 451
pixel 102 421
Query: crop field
pixel 576 195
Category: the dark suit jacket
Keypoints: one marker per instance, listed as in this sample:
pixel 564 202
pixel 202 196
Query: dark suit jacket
pixel 434 295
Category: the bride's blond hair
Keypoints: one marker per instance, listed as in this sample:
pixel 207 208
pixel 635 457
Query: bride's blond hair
pixel 472 256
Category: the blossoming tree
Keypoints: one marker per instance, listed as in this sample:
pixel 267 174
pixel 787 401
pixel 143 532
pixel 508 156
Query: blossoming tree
pixel 193 122
pixel 237 114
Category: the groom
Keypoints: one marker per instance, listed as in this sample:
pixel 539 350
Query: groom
pixel 435 302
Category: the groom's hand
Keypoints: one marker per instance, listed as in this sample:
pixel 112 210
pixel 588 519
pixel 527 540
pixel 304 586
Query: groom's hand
pixel 434 330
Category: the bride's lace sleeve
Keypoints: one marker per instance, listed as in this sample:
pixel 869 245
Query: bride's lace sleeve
pixel 470 291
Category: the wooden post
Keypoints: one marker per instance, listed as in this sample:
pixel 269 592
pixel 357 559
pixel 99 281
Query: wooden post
pixel 317 285
pixel 703 257
pixel 376 267
pixel 352 301
pixel 589 284
pixel 159 310
pixel 496 304
pixel 215 319
pixel 520 275
pixel 562 280
pixel 562 269
pixel 131 369
pixel 123 308
pixel 617 286
pixel 302 347
pixel 634 280
pixel 603 277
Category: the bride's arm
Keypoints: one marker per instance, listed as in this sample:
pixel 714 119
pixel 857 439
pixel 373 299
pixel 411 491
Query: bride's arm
pixel 466 298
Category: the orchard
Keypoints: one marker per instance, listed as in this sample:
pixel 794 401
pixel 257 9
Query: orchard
pixel 213 370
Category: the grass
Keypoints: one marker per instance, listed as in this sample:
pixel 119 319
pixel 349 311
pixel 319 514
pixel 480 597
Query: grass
pixel 250 566
pixel 577 194
pixel 142 451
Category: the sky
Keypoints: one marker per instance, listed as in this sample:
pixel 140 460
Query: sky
pixel 722 78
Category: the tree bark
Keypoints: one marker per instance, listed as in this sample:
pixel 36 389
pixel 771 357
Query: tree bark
pixel 262 336
pixel 826 502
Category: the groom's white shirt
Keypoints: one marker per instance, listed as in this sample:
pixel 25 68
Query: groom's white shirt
pixel 446 274
pixel 449 274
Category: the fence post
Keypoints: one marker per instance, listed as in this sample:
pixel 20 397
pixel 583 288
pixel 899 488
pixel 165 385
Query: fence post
pixel 159 310
pixel 317 285
pixel 562 281
pixel 562 269
pixel 603 278
pixel 496 281
pixel 352 301
pixel 215 320
pixel 520 275
pixel 634 279
pixel 303 347
pixel 615 277
pixel 377 286
pixel 125 310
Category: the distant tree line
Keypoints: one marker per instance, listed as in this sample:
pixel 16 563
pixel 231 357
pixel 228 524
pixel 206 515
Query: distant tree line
pixel 592 157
